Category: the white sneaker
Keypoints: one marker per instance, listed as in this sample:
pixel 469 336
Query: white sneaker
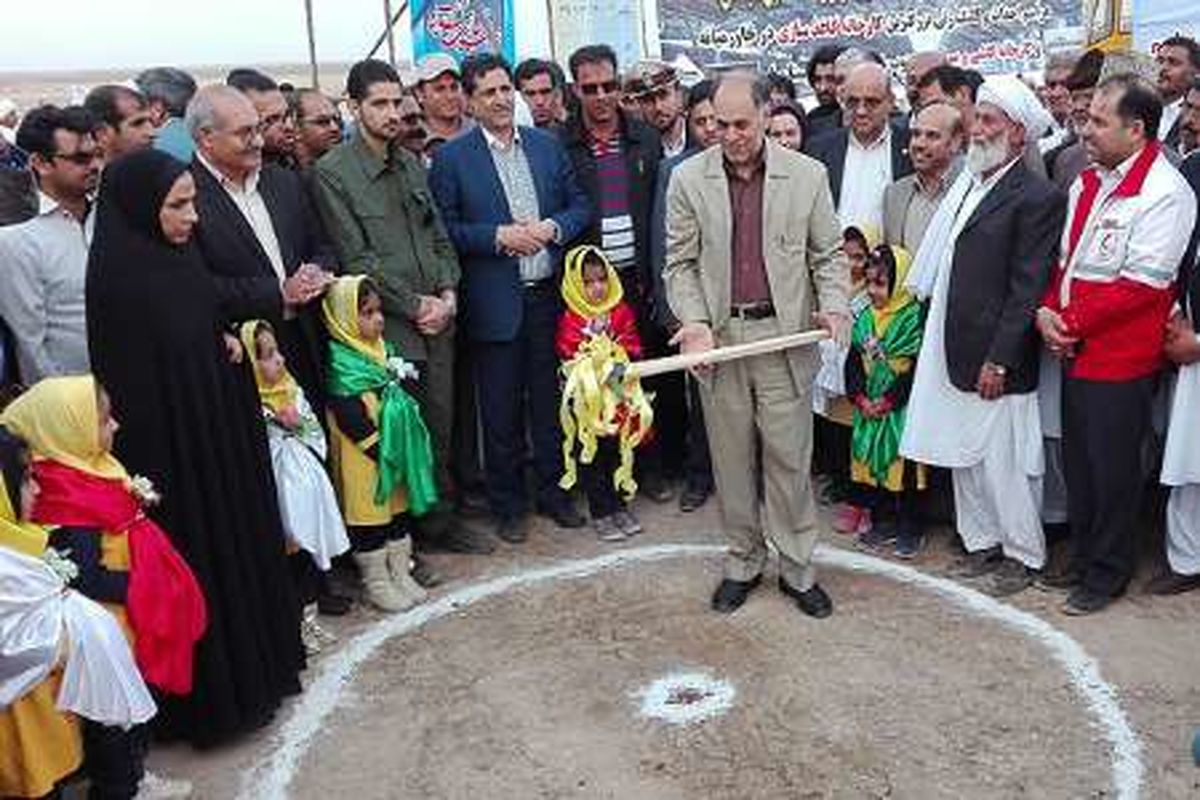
pixel 154 787
pixel 608 530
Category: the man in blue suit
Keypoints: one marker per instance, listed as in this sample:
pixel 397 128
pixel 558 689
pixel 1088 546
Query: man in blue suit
pixel 511 204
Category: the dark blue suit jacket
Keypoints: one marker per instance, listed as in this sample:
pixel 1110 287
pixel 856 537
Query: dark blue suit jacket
pixel 468 191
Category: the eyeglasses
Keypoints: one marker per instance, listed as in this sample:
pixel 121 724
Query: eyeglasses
pixel 81 159
pixel 868 103
pixel 247 133
pixel 323 121
pixel 591 89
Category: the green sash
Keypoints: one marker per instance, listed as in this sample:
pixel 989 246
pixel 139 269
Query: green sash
pixel 876 441
pixel 405 456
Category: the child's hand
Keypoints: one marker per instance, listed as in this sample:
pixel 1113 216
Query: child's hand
pixel 597 326
pixel 233 348
pixel 289 417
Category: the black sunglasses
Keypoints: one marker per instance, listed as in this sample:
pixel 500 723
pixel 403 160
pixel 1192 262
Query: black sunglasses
pixel 609 87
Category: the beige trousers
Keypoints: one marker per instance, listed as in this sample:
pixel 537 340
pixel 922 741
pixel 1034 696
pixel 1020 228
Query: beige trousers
pixel 760 424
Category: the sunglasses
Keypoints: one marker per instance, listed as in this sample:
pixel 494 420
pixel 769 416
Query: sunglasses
pixel 591 89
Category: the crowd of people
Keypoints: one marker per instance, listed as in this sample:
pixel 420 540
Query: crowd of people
pixel 258 339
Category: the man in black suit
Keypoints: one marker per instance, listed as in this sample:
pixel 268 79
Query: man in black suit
pixel 260 236
pixel 868 155
pixel 974 406
pixel 1178 59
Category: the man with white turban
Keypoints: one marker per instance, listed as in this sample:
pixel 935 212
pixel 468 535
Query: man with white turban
pixel 986 259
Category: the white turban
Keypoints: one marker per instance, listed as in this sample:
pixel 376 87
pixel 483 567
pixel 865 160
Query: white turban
pixel 1018 102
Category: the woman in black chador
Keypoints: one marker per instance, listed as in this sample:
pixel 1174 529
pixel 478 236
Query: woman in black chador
pixel 190 422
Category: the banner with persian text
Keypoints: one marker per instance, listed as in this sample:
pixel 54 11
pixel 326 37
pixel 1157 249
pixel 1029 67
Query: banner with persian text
pixel 462 27
pixel 991 37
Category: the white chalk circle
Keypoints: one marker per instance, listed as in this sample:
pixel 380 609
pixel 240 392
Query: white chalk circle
pixel 687 697
pixel 269 778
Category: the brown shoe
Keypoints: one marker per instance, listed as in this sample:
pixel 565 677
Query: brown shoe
pixel 1173 583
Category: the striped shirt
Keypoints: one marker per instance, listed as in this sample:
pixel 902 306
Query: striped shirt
pixel 616 224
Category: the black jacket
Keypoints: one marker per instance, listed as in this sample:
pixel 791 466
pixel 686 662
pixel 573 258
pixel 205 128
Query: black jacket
pixel 247 286
pixel 1189 276
pixel 643 151
pixel 1003 260
pixel 830 149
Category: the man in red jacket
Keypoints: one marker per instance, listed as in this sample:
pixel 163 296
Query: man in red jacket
pixel 1105 315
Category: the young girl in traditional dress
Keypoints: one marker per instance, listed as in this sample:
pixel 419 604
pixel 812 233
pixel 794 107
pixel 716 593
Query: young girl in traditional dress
pixel 101 512
pixel 380 454
pixel 834 419
pixel 307 504
pixel 884 344
pixel 595 307
pixel 73 695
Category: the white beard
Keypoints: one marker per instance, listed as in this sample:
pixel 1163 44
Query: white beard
pixel 984 157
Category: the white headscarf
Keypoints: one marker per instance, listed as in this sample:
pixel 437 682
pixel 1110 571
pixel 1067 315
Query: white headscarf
pixel 1018 102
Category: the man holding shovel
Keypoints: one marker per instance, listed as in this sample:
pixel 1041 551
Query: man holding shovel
pixel 753 253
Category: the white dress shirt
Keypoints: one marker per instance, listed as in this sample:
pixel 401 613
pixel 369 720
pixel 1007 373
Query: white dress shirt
pixel 43 264
pixel 1170 115
pixel 866 172
pixel 250 202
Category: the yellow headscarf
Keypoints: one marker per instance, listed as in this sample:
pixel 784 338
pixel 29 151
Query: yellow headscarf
pixel 901 295
pixel 283 394
pixel 573 291
pixel 24 537
pixel 59 419
pixel 340 310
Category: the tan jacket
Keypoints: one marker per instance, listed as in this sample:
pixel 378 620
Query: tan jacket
pixel 802 246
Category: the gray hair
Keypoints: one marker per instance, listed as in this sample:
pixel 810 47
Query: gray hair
pixel 1064 60
pixel 202 113
pixel 167 85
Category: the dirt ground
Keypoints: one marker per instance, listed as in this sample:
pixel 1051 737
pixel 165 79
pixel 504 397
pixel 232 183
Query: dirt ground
pixel 534 693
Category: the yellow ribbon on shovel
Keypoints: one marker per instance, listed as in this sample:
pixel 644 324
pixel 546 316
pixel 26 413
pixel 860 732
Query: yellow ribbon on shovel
pixel 602 397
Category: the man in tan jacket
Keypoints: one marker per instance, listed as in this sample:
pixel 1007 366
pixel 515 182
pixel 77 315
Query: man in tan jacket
pixel 753 251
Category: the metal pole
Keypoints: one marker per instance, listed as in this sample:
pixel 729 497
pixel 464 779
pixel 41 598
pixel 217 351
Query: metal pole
pixel 383 36
pixel 391 40
pixel 312 43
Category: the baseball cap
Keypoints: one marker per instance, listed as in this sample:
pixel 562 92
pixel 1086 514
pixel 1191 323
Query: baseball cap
pixel 434 65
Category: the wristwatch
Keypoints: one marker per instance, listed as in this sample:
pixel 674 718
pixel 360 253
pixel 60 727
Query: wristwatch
pixel 998 369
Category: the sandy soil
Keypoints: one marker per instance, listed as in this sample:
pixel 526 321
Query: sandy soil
pixel 533 694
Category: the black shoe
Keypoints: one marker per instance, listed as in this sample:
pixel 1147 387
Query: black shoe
pixel 693 497
pixel 566 516
pixel 1060 581
pixel 512 530
pixel 1173 583
pixel 424 573
pixel 472 504
pixel 815 602
pixel 1082 602
pixel 333 605
pixel 656 489
pixel 977 564
pixel 453 536
pixel 730 595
